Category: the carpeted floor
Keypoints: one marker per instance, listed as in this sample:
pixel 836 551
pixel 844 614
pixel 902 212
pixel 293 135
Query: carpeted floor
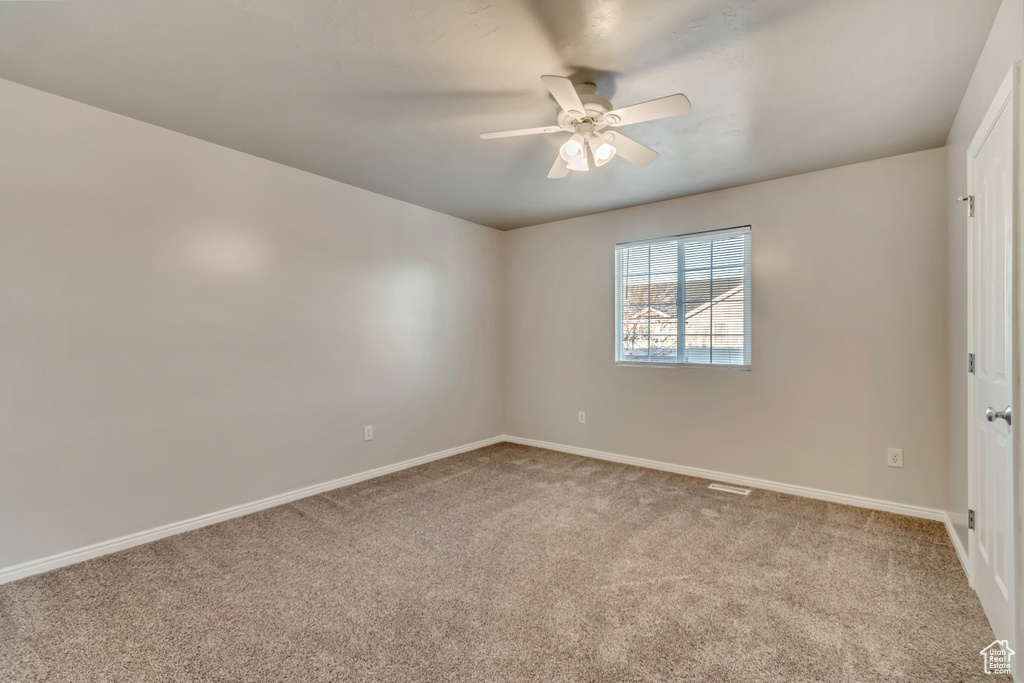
pixel 512 563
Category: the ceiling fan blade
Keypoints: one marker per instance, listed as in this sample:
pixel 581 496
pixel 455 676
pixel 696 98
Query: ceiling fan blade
pixel 522 131
pixel 560 169
pixel 661 108
pixel 631 150
pixel 565 94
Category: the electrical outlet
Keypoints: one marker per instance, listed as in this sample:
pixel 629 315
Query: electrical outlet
pixel 368 433
pixel 895 457
pixel 583 417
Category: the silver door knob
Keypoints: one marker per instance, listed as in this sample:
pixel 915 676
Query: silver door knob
pixel 991 414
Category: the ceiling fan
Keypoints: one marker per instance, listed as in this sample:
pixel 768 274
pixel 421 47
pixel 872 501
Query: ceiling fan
pixel 586 115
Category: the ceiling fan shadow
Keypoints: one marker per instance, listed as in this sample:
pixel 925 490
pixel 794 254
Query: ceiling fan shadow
pixel 433 104
pixel 562 21
pixel 694 32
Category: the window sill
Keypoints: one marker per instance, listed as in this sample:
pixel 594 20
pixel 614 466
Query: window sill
pixel 710 366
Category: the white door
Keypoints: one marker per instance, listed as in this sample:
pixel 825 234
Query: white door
pixel 992 182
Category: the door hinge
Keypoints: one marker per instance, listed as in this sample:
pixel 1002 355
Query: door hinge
pixel 970 520
pixel 970 204
pixel 970 363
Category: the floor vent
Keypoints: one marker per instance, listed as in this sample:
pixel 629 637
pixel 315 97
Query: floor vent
pixel 730 489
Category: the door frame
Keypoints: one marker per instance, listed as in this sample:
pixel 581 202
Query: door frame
pixel 1008 94
pixel 1014 76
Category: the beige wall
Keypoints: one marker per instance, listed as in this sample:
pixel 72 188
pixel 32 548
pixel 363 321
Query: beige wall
pixel 1005 46
pixel 185 328
pixel 848 335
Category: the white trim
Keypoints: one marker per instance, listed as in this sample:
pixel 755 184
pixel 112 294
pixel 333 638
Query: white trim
pixel 706 366
pixel 803 491
pixel 46 564
pixel 1018 445
pixel 1008 95
pixel 686 236
pixel 954 538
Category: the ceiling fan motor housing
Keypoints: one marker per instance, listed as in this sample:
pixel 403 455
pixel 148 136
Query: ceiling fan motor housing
pixel 595 106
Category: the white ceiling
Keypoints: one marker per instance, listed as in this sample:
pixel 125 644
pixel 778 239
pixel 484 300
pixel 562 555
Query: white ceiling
pixel 390 95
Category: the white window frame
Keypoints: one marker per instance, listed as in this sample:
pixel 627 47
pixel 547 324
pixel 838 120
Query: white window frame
pixel 680 331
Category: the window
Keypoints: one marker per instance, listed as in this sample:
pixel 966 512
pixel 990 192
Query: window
pixel 684 300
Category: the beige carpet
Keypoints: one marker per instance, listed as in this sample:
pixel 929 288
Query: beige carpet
pixel 513 564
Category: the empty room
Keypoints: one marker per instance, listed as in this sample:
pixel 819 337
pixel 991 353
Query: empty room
pixel 511 340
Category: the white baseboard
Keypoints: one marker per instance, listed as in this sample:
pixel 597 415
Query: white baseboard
pixel 803 491
pixel 961 552
pixel 46 564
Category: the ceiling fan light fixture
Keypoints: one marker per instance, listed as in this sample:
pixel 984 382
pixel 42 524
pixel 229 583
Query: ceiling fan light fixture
pixel 579 164
pixel 573 150
pixel 602 149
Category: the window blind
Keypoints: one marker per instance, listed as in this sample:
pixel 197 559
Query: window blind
pixel 684 300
